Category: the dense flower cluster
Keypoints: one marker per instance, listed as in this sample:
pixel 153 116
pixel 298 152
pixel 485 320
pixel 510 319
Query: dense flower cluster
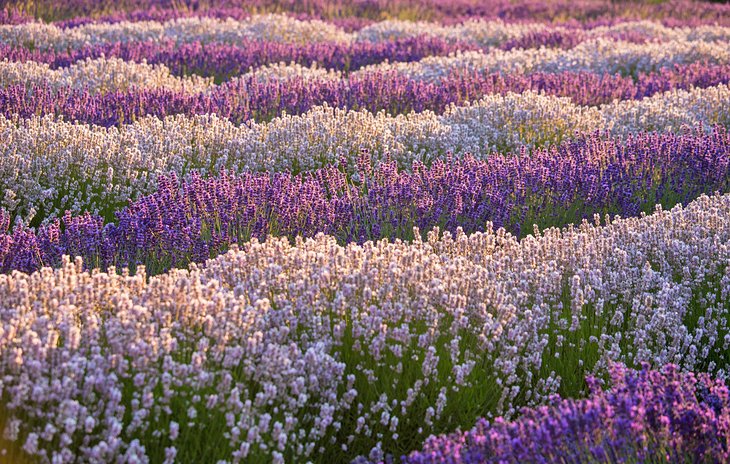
pixel 685 12
pixel 277 346
pixel 278 28
pixel 202 217
pixel 50 166
pixel 99 75
pixel 600 55
pixel 281 28
pixel 225 60
pixel 284 89
pixel 657 416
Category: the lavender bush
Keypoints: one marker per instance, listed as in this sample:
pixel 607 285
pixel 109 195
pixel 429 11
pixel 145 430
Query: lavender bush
pixel 253 99
pixel 646 416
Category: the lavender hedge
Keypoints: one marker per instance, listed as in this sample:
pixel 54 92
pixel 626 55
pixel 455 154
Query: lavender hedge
pixel 226 60
pixel 251 99
pixel 193 220
pixel 658 416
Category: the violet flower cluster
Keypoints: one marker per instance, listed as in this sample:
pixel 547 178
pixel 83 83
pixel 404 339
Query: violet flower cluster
pixel 645 416
pixel 254 99
pixel 193 220
pixel 228 60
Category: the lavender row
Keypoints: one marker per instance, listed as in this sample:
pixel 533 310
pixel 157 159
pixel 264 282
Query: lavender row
pixel 49 166
pixel 598 56
pixel 271 352
pixel 103 102
pixel 285 29
pixel 585 10
pixel 226 60
pixel 659 416
pixel 347 23
pixel 355 23
pixel 191 221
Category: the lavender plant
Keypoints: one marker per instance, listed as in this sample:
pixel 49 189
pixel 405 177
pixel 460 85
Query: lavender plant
pixel 646 416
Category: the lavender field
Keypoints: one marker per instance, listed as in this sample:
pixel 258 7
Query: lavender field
pixel 365 232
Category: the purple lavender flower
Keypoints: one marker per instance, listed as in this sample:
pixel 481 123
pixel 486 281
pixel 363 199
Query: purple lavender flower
pixel 645 416
pixel 226 60
pixel 248 99
pixel 195 219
